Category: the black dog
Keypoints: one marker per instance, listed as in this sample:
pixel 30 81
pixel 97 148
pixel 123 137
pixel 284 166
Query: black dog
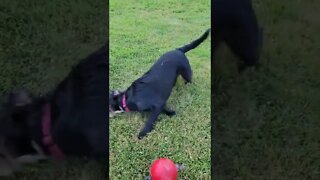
pixel 235 23
pixel 151 91
pixel 69 121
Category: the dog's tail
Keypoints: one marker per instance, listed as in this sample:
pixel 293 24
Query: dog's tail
pixel 194 43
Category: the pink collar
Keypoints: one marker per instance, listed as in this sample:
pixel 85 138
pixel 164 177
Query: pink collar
pixel 124 104
pixel 47 140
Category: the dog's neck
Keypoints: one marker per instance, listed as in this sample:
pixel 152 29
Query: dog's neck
pixel 36 124
pixel 122 101
pixel 129 99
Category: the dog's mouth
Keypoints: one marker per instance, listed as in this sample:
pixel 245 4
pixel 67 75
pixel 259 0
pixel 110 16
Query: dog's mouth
pixel 10 165
pixel 113 112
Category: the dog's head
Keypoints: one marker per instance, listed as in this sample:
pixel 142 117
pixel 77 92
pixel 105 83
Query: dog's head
pixel 14 122
pixel 115 103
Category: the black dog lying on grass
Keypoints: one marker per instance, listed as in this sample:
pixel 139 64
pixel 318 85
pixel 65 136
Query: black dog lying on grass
pixel 151 91
pixel 235 23
pixel 69 121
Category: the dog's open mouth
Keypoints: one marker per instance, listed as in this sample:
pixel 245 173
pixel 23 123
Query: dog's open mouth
pixel 113 112
pixel 10 165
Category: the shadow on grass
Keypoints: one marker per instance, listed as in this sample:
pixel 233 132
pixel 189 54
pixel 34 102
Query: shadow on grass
pixel 267 121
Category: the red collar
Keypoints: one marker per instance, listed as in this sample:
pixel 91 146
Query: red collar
pixel 47 139
pixel 124 104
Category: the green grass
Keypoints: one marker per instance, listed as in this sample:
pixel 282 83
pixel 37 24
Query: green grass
pixel 141 31
pixel 267 121
pixel 39 43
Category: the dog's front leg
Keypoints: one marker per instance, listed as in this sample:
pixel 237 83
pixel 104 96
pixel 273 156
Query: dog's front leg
pixel 149 125
pixel 168 112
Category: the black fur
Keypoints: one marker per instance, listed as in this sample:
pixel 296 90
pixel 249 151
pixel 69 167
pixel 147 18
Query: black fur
pixel 235 23
pixel 78 113
pixel 151 91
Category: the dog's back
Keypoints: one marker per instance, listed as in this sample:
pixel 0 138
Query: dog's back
pixel 162 76
pixel 81 100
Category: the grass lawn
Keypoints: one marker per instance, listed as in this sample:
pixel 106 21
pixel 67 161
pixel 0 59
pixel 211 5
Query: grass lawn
pixel 39 43
pixel 140 31
pixel 267 121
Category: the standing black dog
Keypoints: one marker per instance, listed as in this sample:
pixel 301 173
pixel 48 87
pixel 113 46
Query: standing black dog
pixel 235 23
pixel 151 91
pixel 69 121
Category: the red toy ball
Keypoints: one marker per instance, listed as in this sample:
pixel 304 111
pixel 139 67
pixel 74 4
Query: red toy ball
pixel 164 169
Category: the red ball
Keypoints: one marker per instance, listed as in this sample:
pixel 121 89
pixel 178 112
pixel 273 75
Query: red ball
pixel 163 169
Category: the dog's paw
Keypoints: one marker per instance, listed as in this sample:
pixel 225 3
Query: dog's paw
pixel 171 113
pixel 141 135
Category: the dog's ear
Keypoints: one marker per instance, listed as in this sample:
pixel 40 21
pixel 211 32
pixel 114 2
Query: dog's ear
pixel 20 98
pixel 19 101
pixel 115 93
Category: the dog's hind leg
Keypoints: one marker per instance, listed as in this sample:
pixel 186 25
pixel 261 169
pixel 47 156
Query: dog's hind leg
pixel 149 125
pixel 186 72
